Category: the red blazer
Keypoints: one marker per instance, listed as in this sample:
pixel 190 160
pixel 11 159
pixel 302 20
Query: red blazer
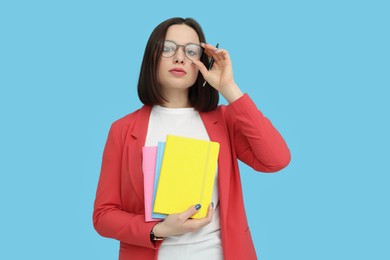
pixel 242 132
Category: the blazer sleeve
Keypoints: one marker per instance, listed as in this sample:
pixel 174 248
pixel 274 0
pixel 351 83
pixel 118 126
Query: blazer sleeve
pixel 109 218
pixel 256 141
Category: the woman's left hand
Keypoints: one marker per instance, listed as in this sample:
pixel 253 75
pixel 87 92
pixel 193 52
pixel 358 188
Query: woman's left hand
pixel 220 76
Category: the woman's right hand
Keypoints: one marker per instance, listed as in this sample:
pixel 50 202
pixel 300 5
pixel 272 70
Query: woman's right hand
pixel 177 224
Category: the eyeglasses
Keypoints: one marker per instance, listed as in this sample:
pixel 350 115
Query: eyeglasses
pixel 192 51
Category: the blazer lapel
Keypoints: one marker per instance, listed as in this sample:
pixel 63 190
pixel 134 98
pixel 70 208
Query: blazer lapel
pixel 217 132
pixel 136 142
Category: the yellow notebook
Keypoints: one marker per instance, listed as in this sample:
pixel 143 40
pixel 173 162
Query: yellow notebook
pixel 187 175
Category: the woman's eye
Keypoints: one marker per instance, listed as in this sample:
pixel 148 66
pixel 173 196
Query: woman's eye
pixel 169 48
pixel 191 52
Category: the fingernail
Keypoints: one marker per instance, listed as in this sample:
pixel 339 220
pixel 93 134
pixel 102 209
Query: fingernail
pixel 197 206
pixel 212 204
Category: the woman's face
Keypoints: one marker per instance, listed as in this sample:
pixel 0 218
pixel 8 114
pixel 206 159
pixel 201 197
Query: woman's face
pixel 178 72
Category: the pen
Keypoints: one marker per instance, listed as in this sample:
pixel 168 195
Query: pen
pixel 211 64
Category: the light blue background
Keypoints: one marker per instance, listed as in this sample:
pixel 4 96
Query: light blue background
pixel 318 69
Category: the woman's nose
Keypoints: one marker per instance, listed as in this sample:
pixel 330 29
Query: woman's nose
pixel 179 56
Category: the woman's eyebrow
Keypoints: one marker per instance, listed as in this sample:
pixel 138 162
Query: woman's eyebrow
pixel 183 44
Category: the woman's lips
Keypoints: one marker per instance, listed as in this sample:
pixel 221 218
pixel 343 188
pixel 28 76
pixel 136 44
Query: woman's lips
pixel 178 72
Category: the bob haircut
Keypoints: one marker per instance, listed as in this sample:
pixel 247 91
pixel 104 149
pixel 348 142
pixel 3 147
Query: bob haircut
pixel 149 89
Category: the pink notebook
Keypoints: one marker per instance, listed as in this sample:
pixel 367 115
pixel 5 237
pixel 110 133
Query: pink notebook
pixel 149 154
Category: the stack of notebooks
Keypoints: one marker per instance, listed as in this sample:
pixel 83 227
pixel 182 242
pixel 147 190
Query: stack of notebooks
pixel 178 174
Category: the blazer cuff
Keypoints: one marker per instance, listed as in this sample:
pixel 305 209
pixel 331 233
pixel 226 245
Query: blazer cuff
pixel 151 244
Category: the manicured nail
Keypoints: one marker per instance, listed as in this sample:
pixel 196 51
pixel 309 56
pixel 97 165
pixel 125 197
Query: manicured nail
pixel 197 206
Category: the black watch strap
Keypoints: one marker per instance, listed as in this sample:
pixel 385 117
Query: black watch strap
pixel 154 238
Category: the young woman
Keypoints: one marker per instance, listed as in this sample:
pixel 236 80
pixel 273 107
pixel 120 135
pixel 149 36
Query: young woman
pixel 173 72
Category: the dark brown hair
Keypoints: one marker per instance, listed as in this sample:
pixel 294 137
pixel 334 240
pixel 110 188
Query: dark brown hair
pixel 149 89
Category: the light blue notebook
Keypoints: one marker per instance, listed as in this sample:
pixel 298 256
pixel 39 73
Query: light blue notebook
pixel 160 154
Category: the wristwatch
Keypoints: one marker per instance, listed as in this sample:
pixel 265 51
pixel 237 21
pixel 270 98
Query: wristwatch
pixel 154 238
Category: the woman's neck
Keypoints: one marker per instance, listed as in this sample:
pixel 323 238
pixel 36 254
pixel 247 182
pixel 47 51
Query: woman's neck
pixel 176 99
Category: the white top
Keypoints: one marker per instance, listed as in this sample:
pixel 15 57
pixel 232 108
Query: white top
pixel 188 123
